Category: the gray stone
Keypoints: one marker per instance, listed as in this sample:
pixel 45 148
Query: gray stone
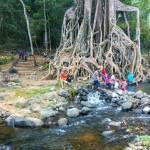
pixel 53 88
pixel 62 122
pixel 21 102
pixel 51 96
pixel 139 94
pixel 2 97
pixel 116 124
pixel 129 97
pixel 128 148
pixel 146 109
pixel 5 147
pixel 87 104
pixel 114 95
pixel 61 109
pixel 59 104
pixel 120 92
pixel 127 105
pixel 107 133
pixel 145 100
pixel 63 93
pixel 114 100
pixel 73 112
pixel 132 146
pixel 17 120
pixel 47 112
pixel 25 110
pixel 130 93
pixel 85 110
pixel 63 99
pixel 35 107
pixel 106 120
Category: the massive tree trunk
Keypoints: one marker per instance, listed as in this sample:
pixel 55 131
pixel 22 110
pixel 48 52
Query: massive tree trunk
pixel 91 38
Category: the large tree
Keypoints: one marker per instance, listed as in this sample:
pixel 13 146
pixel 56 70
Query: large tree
pixel 91 38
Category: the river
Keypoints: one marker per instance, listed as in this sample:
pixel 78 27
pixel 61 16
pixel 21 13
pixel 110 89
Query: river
pixel 82 133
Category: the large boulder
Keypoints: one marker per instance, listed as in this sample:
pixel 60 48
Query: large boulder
pixel 73 112
pixel 17 120
pixel 127 105
pixel 47 112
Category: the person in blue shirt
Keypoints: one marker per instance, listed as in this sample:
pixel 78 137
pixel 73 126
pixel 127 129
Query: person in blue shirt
pixel 26 56
pixel 97 78
pixel 131 79
pixel 19 53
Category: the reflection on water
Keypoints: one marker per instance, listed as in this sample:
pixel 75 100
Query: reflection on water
pixel 143 87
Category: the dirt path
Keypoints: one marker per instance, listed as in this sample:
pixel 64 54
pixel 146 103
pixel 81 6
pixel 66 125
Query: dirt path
pixel 28 73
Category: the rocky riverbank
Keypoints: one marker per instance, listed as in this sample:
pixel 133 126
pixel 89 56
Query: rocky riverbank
pixel 47 109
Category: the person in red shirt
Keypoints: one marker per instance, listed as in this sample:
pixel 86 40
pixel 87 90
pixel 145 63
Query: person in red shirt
pixel 124 84
pixel 65 76
pixel 103 74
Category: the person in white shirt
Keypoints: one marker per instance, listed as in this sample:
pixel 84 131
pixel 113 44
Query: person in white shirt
pixel 116 85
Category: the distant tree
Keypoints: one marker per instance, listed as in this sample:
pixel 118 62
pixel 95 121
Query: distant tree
pixel 29 33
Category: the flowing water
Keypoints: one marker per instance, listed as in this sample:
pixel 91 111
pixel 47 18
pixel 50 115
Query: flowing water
pixel 82 133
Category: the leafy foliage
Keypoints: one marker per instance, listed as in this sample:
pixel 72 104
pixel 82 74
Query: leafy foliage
pixel 144 22
pixel 14 31
pixel 146 139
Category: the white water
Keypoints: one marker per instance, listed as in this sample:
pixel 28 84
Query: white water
pixel 94 99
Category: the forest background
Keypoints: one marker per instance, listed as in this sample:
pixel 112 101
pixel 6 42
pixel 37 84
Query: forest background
pixel 13 29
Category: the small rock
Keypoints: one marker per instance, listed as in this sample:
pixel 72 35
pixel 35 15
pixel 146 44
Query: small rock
pixel 146 110
pixel 63 93
pixel 128 148
pixel 62 122
pixel 113 123
pixel 61 109
pixel 85 110
pixel 114 95
pixel 2 97
pixel 107 133
pixel 73 112
pixel 127 105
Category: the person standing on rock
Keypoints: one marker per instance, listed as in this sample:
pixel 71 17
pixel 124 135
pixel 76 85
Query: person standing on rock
pixel 97 78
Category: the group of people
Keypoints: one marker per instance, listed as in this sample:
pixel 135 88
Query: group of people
pixel 23 55
pixel 111 81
